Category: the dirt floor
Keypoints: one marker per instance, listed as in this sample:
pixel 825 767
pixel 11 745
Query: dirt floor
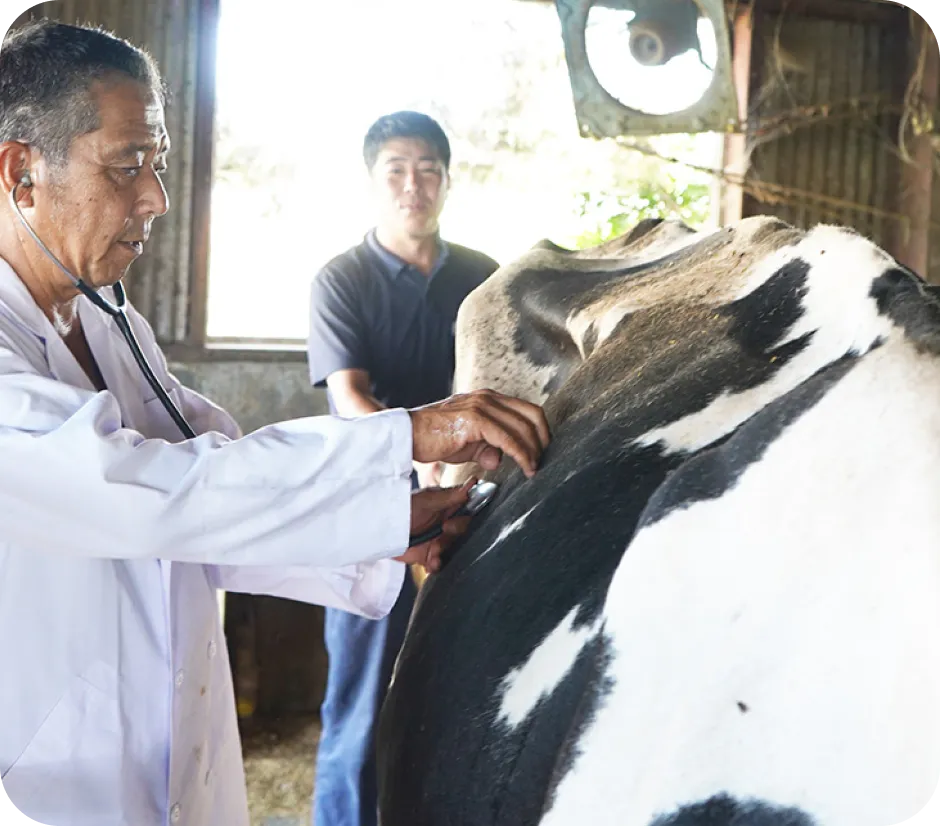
pixel 279 769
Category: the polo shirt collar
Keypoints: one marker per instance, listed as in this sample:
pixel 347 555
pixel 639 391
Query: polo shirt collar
pixel 395 266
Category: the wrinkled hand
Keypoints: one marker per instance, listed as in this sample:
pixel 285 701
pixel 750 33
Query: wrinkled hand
pixel 429 507
pixel 480 427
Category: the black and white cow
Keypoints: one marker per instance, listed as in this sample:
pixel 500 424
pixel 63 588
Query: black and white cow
pixel 718 603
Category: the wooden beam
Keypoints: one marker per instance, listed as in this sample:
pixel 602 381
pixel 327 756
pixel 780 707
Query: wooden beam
pixel 204 140
pixel 735 148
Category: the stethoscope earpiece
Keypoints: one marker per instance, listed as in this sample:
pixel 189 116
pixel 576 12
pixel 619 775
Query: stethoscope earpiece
pixel 26 180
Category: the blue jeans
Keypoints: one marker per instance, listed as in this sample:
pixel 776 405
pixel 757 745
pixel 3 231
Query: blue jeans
pixel 362 653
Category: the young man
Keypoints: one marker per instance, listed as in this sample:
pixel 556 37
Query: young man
pixel 382 335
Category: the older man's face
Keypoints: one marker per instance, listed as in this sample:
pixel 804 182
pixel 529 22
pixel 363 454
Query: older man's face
pixel 98 209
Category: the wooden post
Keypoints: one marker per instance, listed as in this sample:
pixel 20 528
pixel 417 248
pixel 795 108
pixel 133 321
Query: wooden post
pixel 916 185
pixel 732 201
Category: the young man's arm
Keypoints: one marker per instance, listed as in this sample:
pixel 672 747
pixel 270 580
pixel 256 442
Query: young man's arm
pixel 338 352
pixel 352 392
pixel 338 349
pixel 352 396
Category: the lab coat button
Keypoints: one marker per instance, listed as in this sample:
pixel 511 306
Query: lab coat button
pixel 212 649
pixel 175 813
pixel 179 678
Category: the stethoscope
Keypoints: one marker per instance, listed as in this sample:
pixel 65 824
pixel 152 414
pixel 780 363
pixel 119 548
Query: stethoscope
pixel 115 310
pixel 480 494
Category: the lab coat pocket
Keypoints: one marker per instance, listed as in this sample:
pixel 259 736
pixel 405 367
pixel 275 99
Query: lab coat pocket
pixel 73 762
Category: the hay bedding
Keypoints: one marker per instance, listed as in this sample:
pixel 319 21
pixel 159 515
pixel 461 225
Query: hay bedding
pixel 279 769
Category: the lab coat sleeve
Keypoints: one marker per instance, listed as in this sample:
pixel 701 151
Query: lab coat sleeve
pixel 369 588
pixel 322 492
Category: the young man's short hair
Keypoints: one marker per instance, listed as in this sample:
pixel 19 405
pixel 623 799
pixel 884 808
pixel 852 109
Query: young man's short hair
pixel 405 124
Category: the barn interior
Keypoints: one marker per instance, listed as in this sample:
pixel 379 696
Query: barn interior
pixel 816 111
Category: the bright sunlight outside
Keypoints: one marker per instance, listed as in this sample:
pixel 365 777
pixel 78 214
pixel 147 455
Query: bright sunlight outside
pixel 297 93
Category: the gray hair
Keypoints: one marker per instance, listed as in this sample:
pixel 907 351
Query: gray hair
pixel 47 70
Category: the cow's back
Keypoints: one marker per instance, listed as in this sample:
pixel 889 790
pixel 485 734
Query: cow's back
pixel 693 604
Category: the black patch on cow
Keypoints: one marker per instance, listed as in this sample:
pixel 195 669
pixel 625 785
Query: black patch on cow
pixel 724 810
pixel 713 471
pixel 762 317
pixel 525 794
pixel 597 687
pixel 911 304
pixel 743 707
pixel 541 333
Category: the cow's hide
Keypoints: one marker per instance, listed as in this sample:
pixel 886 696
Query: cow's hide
pixel 718 603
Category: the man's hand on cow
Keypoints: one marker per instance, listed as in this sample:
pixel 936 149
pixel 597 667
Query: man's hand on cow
pixel 480 427
pixel 430 507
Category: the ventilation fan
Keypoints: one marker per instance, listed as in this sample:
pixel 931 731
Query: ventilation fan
pixel 648 66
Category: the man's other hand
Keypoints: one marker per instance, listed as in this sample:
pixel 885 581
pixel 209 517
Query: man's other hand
pixel 430 507
pixel 480 427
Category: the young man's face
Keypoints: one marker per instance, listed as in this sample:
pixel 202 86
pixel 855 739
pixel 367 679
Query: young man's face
pixel 409 183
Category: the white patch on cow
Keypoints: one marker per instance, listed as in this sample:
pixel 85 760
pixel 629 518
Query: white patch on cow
pixel 508 530
pixel 838 310
pixel 579 324
pixel 782 642
pixel 526 686
pixel 608 321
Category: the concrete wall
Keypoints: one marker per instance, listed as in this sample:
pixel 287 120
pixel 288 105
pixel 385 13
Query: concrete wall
pixel 255 393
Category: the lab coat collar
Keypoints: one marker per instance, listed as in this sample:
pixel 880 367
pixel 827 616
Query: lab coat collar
pixel 17 298
pixel 15 295
pixel 26 313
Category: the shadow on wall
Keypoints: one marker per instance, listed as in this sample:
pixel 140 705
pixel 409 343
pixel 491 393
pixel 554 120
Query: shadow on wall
pixel 275 645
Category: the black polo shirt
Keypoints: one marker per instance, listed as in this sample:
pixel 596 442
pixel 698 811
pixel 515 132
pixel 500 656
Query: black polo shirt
pixel 372 311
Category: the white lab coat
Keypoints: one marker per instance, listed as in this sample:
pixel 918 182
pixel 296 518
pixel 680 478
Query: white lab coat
pixel 116 701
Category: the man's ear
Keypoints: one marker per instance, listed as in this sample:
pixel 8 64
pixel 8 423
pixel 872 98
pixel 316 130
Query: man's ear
pixel 17 167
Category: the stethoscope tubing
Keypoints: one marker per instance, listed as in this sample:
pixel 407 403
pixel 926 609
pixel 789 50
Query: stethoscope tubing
pixel 116 311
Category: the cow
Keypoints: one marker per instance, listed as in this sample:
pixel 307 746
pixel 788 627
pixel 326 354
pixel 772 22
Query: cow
pixel 718 602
